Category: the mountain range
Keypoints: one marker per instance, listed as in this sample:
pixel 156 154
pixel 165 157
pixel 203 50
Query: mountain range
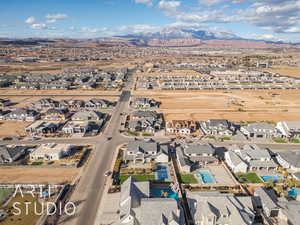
pixel 166 37
pixel 190 37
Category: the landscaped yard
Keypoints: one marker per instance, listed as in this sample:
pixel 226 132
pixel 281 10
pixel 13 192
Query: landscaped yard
pixel 148 135
pixel 4 193
pixel 225 138
pixel 251 178
pixel 133 133
pixel 29 218
pixel 137 177
pixel 295 140
pixel 188 179
pixel 279 140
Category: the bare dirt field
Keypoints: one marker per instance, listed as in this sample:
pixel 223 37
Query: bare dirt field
pixel 37 175
pixel 271 105
pixel 57 67
pixel 288 71
pixel 12 128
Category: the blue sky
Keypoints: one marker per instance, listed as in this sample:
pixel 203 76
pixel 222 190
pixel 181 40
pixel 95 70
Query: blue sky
pixel 267 19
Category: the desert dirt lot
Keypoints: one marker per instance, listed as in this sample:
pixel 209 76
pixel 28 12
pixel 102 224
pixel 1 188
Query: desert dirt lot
pixel 36 176
pixel 57 67
pixel 265 105
pixel 288 71
pixel 12 128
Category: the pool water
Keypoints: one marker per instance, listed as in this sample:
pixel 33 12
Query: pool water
pixel 163 193
pixel 162 172
pixel 206 177
pixel 274 178
pixel 293 192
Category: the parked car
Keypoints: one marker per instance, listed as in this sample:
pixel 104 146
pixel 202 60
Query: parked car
pixel 107 173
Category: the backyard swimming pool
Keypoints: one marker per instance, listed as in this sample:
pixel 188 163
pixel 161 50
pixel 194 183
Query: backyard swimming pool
pixel 163 193
pixel 274 178
pixel 161 172
pixel 293 192
pixel 206 177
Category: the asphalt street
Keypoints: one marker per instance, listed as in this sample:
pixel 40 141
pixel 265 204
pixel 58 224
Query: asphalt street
pixel 89 190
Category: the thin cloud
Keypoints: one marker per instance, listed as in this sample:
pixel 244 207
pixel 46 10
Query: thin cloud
pixel 30 20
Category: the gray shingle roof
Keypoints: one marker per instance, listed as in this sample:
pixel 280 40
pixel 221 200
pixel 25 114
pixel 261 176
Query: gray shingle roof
pixel 293 158
pixel 143 146
pixel 267 197
pixel 199 149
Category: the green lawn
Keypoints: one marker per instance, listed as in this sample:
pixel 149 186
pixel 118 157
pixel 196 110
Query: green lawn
pixel 295 140
pixel 147 135
pixel 133 133
pixel 37 163
pixel 4 193
pixel 211 137
pixel 279 140
pixel 188 179
pixel 225 138
pixel 251 178
pixel 137 177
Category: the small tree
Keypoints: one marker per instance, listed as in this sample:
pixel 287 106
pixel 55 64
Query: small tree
pixel 290 182
pixel 285 174
pixel 279 189
pixel 269 184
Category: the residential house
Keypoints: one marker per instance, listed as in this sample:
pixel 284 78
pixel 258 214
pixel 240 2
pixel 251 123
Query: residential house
pixel 289 212
pixel 72 105
pixel 201 153
pixel 95 104
pixel 145 103
pixel 23 115
pixel 56 114
pixel 5 102
pixel 136 206
pixel 88 116
pixel 235 163
pixel 183 162
pixel 267 200
pixel 146 125
pixel 50 151
pixel 257 158
pixel 163 154
pixel 42 127
pixel 213 208
pixel 217 127
pixel 259 130
pixel 181 127
pixel 289 160
pixel 10 154
pixel 289 128
pixel 44 104
pixel 77 127
pixel 3 114
pixel 144 151
pixel 147 121
pixel 146 114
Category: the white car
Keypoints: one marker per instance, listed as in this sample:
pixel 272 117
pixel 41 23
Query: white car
pixel 107 173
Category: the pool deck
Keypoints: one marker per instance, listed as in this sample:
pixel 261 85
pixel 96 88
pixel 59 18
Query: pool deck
pixel 169 179
pixel 220 174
